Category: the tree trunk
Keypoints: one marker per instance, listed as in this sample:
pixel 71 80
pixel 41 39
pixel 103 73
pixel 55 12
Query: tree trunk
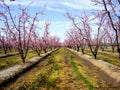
pixel 82 51
pixel 23 60
pixel 102 48
pixel 113 50
pixel 95 55
pixel 94 52
pixel 78 48
pixel 45 50
pixel 5 51
pixel 38 52
pixel 21 52
pixel 119 52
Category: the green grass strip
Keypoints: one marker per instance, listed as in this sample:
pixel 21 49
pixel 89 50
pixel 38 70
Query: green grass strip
pixel 106 56
pixel 80 76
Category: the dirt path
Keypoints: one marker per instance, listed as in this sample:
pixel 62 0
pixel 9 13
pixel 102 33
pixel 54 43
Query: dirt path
pixel 98 77
pixel 63 70
pixel 70 82
pixel 101 80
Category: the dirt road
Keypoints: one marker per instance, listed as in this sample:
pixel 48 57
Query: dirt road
pixel 63 70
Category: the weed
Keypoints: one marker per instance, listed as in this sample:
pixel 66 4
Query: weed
pixel 107 56
pixel 56 66
pixel 50 83
pixel 8 61
pixel 51 61
pixel 81 76
pixel 24 86
pixel 21 87
pixel 40 80
pixel 3 65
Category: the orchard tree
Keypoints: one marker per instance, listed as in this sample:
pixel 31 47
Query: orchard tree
pixel 46 36
pixel 36 43
pixel 69 43
pixel 5 40
pixel 54 42
pixel 112 10
pixel 110 37
pixel 21 28
pixel 77 34
pixel 5 34
pixel 77 39
pixel 93 40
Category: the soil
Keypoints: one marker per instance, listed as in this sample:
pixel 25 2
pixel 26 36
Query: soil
pixel 97 69
pixel 69 81
pixel 26 76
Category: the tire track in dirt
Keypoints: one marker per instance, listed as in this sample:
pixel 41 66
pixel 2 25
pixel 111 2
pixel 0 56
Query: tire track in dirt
pixel 70 80
pixel 102 81
pixel 67 76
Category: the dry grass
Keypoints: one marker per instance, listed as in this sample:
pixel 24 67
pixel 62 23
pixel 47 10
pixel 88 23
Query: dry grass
pixel 62 70
pixel 12 60
pixel 106 55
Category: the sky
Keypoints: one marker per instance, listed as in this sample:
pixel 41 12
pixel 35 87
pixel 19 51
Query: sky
pixel 54 12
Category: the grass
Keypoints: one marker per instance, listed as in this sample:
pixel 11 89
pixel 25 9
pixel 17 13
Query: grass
pixel 110 50
pixel 106 56
pixel 45 79
pixel 80 75
pixel 6 62
pixel 79 72
pixel 8 51
pixel 33 83
pixel 9 61
pixel 62 70
pixel 88 73
pixel 40 80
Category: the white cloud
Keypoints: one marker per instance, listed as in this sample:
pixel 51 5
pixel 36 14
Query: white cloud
pixel 16 2
pixel 71 5
pixel 60 24
pixel 55 9
pixel 75 4
pixel 34 2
